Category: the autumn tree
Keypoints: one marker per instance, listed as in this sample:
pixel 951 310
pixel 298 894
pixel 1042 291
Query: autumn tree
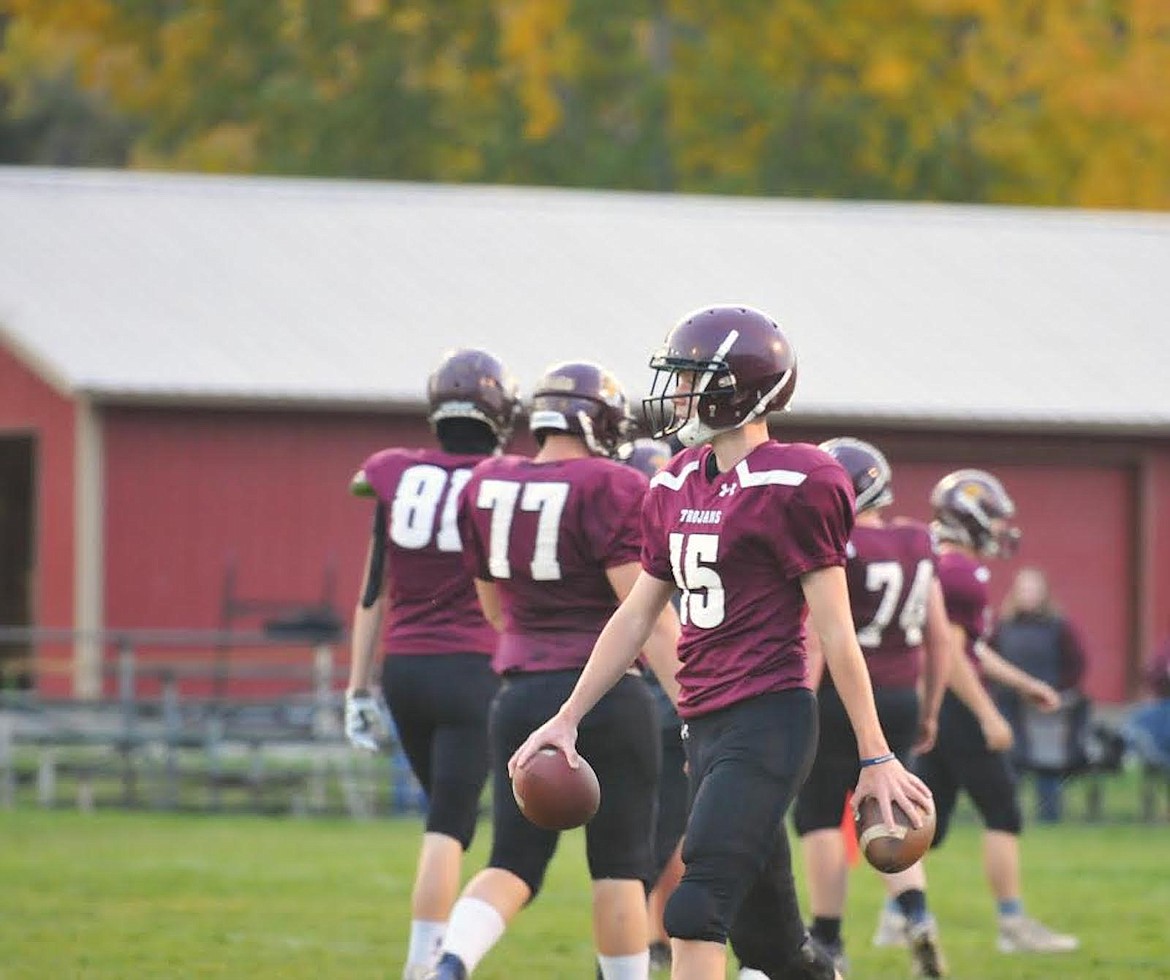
pixel 981 100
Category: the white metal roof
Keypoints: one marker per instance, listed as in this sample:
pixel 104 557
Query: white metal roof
pixel 132 285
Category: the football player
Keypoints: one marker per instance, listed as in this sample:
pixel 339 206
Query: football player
pixel 553 544
pixel 973 515
pixel 753 531
pixel 902 628
pixel 419 605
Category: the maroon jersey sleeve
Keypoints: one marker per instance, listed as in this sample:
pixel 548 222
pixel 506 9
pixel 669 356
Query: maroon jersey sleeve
pixel 613 521
pixel 655 555
pixel 964 585
pixel 819 524
pixel 382 471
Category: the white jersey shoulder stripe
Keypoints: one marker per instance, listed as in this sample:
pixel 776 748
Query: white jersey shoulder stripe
pixel 785 478
pixel 664 478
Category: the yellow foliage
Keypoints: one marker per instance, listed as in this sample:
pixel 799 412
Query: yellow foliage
pixel 1038 101
pixel 366 9
pixel 889 75
pixel 534 41
pixel 226 148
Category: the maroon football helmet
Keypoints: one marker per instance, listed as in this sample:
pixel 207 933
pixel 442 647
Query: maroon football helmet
pixel 473 384
pixel 868 470
pixel 972 508
pixel 647 456
pixel 719 368
pixel 582 399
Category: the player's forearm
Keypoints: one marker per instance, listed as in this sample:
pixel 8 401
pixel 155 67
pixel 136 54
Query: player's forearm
pixel 966 685
pixel 938 655
pixel 1002 672
pixel 613 654
pixel 661 652
pixel 828 606
pixel 816 661
pixel 935 671
pixel 363 643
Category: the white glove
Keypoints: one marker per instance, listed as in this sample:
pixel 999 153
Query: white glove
pixel 367 721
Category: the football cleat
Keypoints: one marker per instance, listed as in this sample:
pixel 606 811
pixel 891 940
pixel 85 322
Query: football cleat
pixel 449 967
pixel 891 928
pixel 1019 934
pixel 925 952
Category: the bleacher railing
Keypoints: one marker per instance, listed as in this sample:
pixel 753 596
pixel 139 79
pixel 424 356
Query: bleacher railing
pixel 193 719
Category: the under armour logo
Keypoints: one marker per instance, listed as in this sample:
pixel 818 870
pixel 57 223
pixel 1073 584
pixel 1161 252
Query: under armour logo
pixel 728 489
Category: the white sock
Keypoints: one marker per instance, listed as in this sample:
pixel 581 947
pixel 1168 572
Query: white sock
pixel 636 966
pixel 473 929
pixel 426 939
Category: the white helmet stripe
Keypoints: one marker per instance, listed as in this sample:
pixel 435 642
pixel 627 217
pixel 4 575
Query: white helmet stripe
pixel 720 354
pixel 762 404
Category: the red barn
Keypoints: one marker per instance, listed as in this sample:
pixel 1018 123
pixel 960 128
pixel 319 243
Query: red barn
pixel 192 367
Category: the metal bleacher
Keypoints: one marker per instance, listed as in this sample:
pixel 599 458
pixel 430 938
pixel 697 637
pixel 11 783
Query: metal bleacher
pixel 198 720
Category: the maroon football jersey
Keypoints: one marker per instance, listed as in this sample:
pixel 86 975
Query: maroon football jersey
pixel 432 603
pixel 545 533
pixel 737 543
pixel 890 571
pixel 964 584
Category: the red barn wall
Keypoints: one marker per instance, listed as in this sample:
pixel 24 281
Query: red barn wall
pixel 1155 497
pixel 190 492
pixel 29 406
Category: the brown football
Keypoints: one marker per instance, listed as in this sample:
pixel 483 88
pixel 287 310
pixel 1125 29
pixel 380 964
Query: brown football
pixel 891 849
pixel 553 795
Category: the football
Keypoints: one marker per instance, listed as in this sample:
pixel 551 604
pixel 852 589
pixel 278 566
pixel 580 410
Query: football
pixel 891 849
pixel 553 795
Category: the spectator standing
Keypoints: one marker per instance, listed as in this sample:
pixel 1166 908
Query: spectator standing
pixel 1036 637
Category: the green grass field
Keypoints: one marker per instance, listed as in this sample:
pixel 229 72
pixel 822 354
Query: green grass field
pixel 127 895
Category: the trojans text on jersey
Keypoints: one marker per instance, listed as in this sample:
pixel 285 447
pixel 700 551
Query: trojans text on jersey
pixel 688 515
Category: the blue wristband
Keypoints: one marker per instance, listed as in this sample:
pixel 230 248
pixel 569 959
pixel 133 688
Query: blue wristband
pixel 877 760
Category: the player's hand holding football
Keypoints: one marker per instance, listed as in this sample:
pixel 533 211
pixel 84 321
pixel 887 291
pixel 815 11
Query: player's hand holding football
pixel 367 721
pixel 890 782
pixel 559 732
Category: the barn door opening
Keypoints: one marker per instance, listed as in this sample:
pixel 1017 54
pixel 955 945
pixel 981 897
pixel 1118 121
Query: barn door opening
pixel 17 459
